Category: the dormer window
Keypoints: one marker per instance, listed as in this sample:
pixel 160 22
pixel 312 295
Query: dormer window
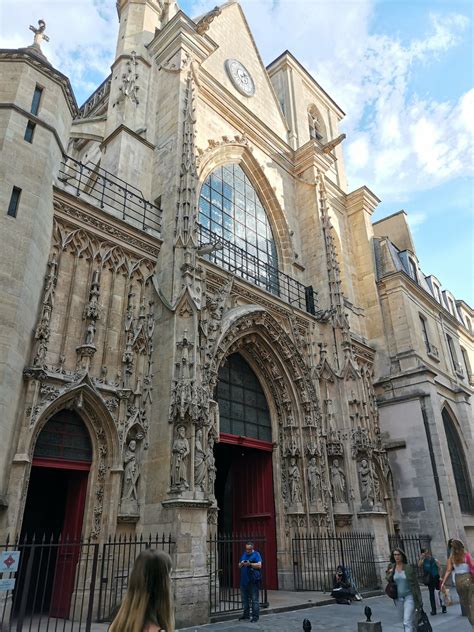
pixel 436 292
pixel 413 270
pixel 316 131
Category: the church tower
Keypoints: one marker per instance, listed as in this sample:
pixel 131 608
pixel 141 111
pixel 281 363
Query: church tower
pixel 37 107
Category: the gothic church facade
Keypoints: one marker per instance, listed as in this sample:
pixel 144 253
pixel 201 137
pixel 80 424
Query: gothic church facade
pixel 190 306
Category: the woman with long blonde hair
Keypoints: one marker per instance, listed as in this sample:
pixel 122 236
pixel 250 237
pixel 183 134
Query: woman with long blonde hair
pixel 148 605
pixel 462 563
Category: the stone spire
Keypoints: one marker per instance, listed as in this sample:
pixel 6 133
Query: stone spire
pixel 186 217
pixel 334 273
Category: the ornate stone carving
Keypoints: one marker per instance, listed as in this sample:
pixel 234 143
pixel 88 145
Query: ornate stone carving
pixel 78 240
pixel 43 331
pixel 361 442
pixel 129 87
pixel 186 217
pixel 205 22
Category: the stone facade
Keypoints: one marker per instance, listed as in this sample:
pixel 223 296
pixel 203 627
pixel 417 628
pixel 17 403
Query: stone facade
pixel 424 388
pixel 121 312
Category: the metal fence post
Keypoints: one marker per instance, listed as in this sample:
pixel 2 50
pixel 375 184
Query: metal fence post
pixel 92 587
pixel 26 587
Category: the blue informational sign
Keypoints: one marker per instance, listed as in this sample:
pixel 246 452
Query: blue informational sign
pixel 7 584
pixel 9 561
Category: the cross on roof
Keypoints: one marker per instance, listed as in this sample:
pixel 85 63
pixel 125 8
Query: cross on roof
pixel 39 32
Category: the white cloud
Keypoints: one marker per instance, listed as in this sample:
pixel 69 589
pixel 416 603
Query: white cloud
pixel 398 141
pixel 82 35
pixel 415 220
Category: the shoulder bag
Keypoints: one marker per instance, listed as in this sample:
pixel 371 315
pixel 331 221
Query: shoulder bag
pixel 391 589
pixel 423 624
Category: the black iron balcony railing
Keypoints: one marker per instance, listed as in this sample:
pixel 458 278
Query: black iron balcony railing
pixel 249 267
pixel 95 99
pixel 117 197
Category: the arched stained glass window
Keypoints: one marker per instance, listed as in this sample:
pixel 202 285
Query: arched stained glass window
pixel 459 465
pixel 64 438
pixel 230 209
pixel 243 408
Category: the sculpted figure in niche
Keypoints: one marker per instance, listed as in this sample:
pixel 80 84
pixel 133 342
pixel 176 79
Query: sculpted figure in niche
pixel 211 465
pixel 338 482
pixel 314 480
pixel 366 484
pixel 377 491
pixel 90 333
pixel 131 474
pixel 179 471
pixel 199 462
pixel 294 479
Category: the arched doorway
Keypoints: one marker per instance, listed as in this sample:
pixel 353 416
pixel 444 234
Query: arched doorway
pixel 244 483
pixel 54 508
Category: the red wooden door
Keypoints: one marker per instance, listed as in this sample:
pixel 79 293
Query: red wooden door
pixel 253 505
pixel 68 553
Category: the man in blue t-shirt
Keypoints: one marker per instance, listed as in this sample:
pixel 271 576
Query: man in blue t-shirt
pixel 250 565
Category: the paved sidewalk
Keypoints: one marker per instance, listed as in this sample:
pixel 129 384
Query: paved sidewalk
pixel 339 618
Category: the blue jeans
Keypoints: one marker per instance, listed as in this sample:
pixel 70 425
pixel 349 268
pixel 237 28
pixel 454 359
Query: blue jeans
pixel 250 595
pixel 406 609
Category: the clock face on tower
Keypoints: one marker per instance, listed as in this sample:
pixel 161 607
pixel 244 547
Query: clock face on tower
pixel 240 77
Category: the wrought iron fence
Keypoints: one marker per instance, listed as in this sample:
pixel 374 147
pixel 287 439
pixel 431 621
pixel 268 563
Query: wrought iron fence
pixel 315 558
pixel 258 272
pixel 224 552
pixel 66 585
pixel 118 556
pixel 116 196
pixel 413 544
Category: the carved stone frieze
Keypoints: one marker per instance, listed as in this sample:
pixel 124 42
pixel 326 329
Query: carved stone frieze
pixel 73 230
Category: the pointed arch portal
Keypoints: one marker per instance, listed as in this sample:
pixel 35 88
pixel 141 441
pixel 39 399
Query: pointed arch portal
pixel 244 484
pixel 55 504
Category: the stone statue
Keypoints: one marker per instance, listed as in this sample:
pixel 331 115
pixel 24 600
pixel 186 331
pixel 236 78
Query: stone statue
pixel 211 465
pixel 90 334
pixel 131 474
pixel 366 484
pixel 314 480
pixel 179 471
pixel 338 482
pixel 199 462
pixel 294 480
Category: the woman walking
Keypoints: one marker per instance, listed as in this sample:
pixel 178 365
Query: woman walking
pixel 463 565
pixel 431 577
pixel 408 599
pixel 147 606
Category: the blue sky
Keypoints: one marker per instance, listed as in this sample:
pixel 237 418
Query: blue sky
pixel 402 71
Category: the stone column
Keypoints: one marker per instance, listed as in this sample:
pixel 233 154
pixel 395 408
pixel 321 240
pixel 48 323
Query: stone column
pixel 187 521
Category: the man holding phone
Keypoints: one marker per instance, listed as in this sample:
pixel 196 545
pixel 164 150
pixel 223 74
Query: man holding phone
pixel 250 565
